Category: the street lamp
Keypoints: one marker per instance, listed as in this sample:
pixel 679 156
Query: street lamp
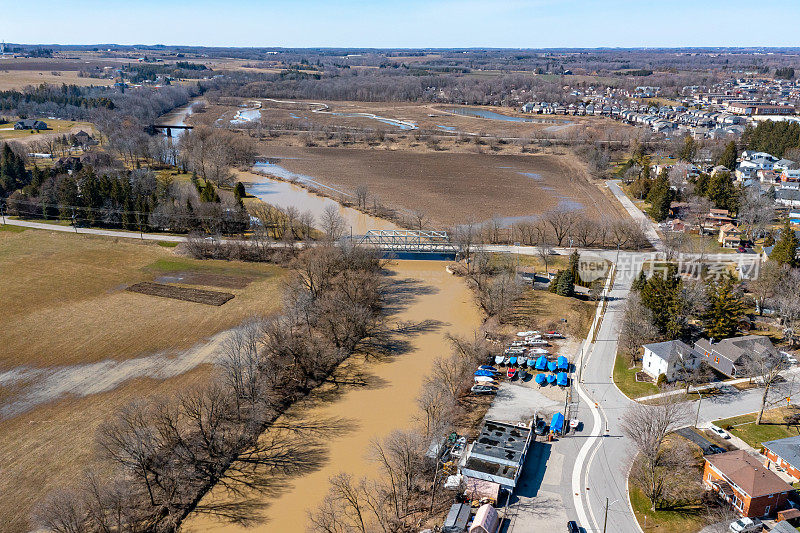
pixel 605 519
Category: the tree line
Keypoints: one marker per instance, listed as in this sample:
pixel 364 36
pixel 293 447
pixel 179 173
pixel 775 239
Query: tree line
pixel 158 459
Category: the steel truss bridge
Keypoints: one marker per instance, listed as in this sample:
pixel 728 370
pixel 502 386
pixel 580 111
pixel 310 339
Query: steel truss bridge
pixel 410 241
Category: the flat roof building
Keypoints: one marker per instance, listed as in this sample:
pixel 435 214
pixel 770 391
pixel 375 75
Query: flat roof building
pixel 498 453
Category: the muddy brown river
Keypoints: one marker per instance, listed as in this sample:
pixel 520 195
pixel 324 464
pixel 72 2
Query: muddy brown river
pixel 369 413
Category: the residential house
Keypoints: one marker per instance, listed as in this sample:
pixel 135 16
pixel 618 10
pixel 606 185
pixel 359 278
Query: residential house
pixel 790 175
pixel 729 236
pixel 787 197
pixel 741 480
pixel 30 124
pixel 730 356
pixel 670 358
pixel 784 164
pixel 785 454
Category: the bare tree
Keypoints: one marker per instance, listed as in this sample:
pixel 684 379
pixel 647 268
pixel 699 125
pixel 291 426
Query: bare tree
pixel 544 251
pixel 788 302
pixel 362 194
pixel 637 327
pixel 648 426
pixel 332 223
pixel 560 222
pixel 756 212
pixel 765 365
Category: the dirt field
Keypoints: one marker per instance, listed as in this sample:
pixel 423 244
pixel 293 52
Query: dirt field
pixel 77 346
pixel 456 188
pixel 199 296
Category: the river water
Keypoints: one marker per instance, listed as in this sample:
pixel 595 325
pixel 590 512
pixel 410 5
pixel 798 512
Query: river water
pixel 284 194
pixel 369 413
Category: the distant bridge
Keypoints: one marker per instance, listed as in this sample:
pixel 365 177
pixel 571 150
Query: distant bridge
pixel 406 242
pixel 167 128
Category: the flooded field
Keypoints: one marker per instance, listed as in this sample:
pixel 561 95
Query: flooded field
pixel 449 188
pixel 368 413
pixel 284 194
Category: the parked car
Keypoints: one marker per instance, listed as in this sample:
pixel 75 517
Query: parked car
pixel 711 450
pixel 484 389
pixel 572 527
pixel 719 432
pixel 746 525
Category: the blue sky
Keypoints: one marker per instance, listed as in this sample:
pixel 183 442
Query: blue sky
pixel 411 23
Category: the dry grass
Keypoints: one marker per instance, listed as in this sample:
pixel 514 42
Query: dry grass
pixel 547 311
pixel 64 301
pixel 18 79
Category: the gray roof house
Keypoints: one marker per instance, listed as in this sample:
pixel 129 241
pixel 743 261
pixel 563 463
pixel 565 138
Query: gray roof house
pixel 784 453
pixel 729 356
pixel 670 358
pixel 30 124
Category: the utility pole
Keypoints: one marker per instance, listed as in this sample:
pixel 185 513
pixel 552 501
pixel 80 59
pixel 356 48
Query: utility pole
pixel 605 518
pixel 697 416
pixel 3 212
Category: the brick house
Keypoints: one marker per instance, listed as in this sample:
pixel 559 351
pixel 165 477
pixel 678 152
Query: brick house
pixel 784 453
pixel 741 480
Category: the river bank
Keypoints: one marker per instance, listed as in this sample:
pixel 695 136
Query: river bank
pixel 369 412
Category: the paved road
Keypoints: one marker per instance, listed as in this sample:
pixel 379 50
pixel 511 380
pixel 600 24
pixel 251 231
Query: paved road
pixel 648 226
pixel 94 231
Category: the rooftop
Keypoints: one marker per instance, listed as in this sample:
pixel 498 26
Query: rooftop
pixel 748 473
pixel 787 449
pixel 671 350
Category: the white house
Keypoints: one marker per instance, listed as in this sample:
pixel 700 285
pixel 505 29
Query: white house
pixel 669 358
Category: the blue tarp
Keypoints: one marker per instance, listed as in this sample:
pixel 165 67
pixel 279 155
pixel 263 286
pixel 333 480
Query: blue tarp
pixel 541 363
pixel 531 363
pixel 563 363
pixel 512 360
pixel 540 379
pixel 551 378
pixel 484 373
pixel 557 423
pixel 551 366
pixel 562 379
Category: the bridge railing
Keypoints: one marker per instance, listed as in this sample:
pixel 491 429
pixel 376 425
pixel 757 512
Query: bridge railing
pixel 410 241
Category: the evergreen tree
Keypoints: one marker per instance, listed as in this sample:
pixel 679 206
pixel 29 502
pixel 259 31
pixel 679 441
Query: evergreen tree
pixel 785 250
pixel 689 149
pixel 639 282
pixel 725 308
pixel 662 295
pixel 660 198
pixel 723 192
pixel 566 284
pixel 208 193
pixel 728 157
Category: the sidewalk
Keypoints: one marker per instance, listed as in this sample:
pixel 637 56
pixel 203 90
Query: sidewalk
pixel 636 214
pixel 715 385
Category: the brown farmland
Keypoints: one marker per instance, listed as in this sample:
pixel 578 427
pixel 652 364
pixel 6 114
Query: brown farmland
pixel 457 188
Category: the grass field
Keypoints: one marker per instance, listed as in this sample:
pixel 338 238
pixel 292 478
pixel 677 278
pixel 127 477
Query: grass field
pixel 772 427
pixel 65 308
pixel 689 519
